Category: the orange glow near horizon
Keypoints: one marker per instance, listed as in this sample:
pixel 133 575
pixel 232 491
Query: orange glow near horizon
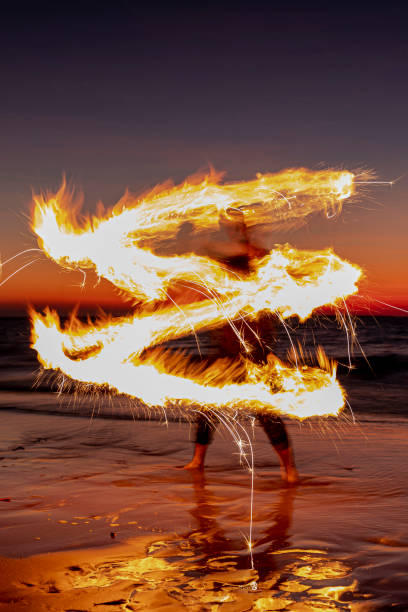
pixel 382 291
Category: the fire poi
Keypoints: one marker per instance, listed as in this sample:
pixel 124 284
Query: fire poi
pixel 119 246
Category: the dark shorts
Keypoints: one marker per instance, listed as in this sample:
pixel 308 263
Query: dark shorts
pixel 229 346
pixel 273 426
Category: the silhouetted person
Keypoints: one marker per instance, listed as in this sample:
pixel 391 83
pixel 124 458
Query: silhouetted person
pixel 236 252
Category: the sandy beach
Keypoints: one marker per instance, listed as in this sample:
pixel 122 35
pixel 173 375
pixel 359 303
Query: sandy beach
pixel 97 515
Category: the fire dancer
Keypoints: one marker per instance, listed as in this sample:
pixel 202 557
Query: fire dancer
pixel 236 251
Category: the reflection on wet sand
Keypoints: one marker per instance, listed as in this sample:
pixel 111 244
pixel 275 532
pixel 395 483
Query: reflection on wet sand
pixel 207 569
pixel 127 528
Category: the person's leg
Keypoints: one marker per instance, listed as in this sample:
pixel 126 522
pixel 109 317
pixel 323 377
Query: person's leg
pixel 275 429
pixel 204 434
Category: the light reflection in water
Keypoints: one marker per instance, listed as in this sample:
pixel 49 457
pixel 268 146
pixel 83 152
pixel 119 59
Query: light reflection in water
pixel 208 569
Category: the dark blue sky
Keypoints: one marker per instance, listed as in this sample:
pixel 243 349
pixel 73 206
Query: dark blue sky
pixel 119 95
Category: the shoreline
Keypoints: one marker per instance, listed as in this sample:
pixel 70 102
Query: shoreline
pixel 123 408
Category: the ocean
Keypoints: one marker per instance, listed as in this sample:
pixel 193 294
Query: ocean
pixel 373 370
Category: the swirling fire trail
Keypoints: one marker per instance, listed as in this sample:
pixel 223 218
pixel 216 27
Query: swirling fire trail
pixel 181 293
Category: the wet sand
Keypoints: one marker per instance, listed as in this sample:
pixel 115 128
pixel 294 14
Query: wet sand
pixel 97 515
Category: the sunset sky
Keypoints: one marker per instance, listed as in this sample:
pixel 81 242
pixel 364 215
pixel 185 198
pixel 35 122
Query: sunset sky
pixel 117 96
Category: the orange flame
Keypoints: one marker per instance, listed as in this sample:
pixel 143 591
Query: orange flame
pixel 120 246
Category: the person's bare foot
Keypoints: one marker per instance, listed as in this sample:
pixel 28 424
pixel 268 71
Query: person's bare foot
pixel 197 462
pixel 289 472
pixel 290 475
pixel 193 465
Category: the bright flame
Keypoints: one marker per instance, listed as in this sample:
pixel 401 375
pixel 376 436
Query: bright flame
pixel 118 245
